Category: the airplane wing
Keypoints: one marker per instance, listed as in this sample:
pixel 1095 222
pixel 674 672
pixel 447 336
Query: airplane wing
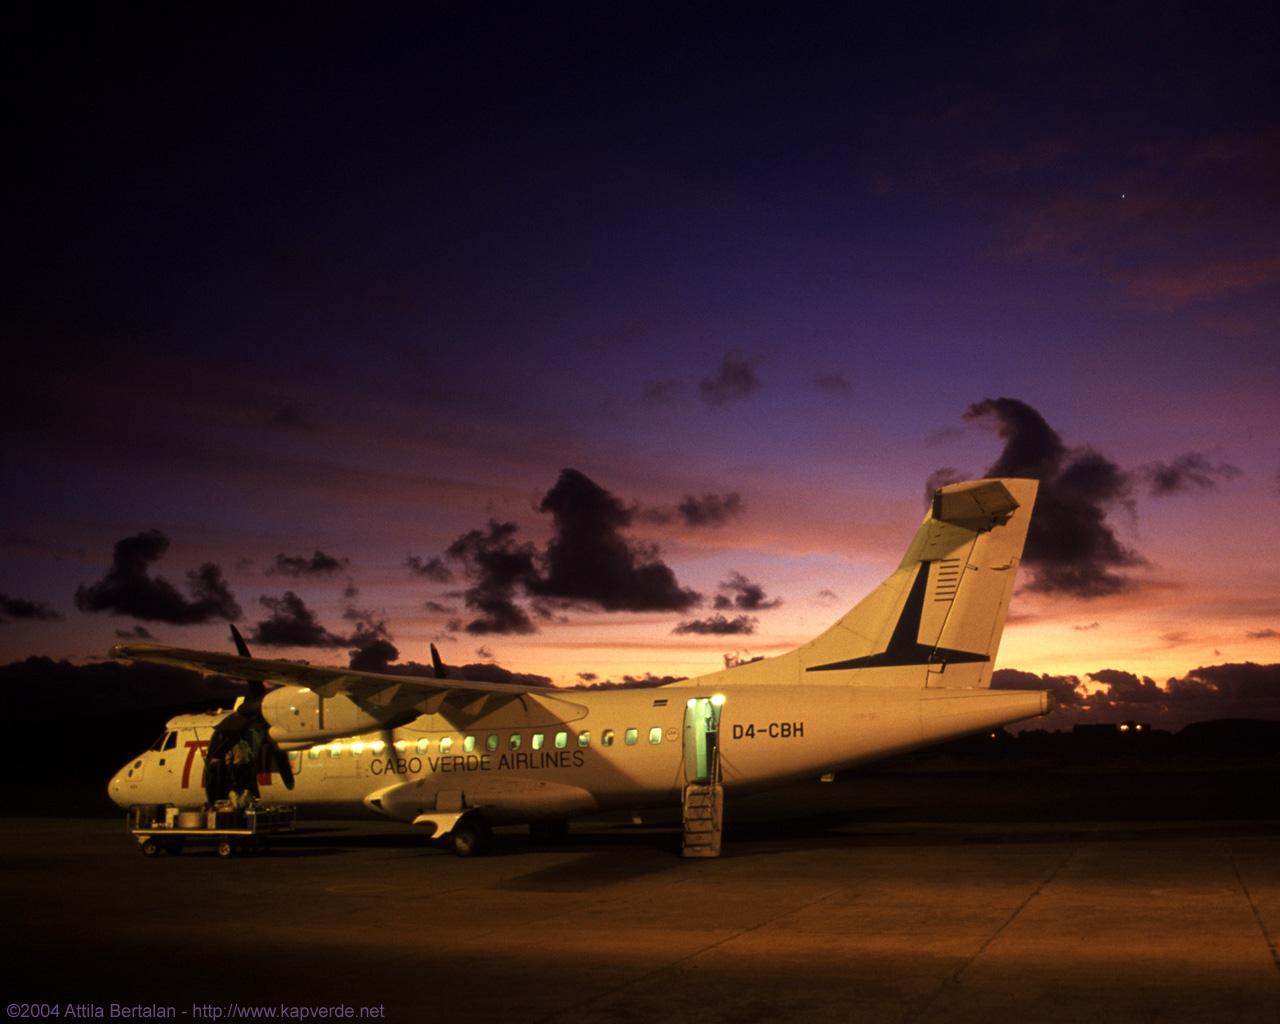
pixel 363 687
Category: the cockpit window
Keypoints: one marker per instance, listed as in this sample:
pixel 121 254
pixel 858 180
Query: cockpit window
pixel 170 741
pixel 159 743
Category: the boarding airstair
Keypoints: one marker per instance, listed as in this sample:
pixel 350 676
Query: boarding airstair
pixel 703 819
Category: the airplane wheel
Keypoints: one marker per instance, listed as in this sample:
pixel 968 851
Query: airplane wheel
pixel 226 848
pixel 470 837
pixel 150 848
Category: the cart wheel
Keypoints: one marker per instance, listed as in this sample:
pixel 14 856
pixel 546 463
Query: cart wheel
pixel 150 847
pixel 226 848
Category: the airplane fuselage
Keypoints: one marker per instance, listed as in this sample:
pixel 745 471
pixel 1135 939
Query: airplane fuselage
pixel 573 752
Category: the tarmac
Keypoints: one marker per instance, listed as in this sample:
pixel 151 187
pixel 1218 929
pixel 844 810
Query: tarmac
pixel 832 903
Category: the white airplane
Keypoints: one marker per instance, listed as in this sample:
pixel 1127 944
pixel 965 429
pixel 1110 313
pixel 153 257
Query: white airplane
pixel 910 665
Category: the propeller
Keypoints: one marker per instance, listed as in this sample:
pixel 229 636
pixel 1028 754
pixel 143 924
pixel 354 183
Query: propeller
pixel 244 725
pixel 388 735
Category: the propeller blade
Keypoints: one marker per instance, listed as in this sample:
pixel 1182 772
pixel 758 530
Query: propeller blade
pixel 242 648
pixel 283 767
pixel 256 688
pixel 389 738
pixel 436 663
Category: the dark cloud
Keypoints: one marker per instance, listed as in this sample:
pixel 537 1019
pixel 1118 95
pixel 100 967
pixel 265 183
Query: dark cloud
pixel 588 560
pixel 1262 634
pixel 368 627
pixel 739 592
pixel 297 566
pixel 828 595
pixel 438 608
pixel 137 633
pixel 735 379
pixel 20 608
pixel 832 384
pixel 644 682
pixel 374 656
pixel 293 624
pixel 484 652
pixel 1127 688
pixel 1066 690
pixel 1071 546
pixel 496 565
pixel 718 625
pixel 1190 472
pixel 710 509
pixel 1087 627
pixel 1234 690
pixel 126 589
pixel 432 569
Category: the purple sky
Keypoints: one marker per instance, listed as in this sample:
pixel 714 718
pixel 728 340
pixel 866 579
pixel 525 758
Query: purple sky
pixel 359 283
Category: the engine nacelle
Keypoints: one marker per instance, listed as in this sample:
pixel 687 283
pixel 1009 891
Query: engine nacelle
pixel 298 716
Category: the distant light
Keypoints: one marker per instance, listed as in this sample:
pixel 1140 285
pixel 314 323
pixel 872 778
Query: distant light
pixel 1138 727
pixel 718 699
pixel 1124 726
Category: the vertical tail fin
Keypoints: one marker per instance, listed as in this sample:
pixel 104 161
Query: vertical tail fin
pixel 938 619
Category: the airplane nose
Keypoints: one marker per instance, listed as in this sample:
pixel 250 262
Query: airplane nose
pixel 114 789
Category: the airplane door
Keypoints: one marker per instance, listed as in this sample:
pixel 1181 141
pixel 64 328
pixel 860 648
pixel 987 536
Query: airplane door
pixel 702 739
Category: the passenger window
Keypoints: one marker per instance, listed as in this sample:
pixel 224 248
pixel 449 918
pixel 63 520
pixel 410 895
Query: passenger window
pixel 446 744
pixel 562 740
pixel 295 760
pixel 655 735
pixel 357 748
pixel 537 741
pixel 584 738
pixel 423 744
pixel 335 751
pixel 514 742
pixel 632 736
pixel 159 741
pixel 491 742
pixel 171 741
pixel 313 754
pixel 606 738
pixel 468 743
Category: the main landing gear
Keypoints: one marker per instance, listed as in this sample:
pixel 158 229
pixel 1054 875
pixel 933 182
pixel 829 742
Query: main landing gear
pixel 471 836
